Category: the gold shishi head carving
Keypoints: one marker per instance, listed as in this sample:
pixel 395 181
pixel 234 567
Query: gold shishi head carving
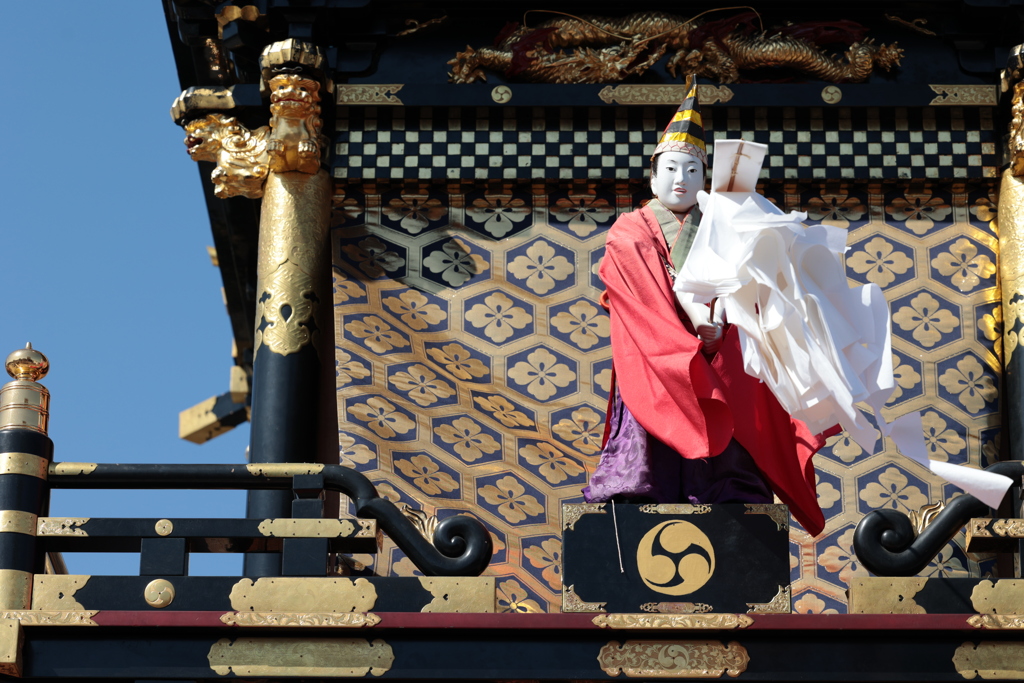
pixel 294 96
pixel 240 154
pixel 295 143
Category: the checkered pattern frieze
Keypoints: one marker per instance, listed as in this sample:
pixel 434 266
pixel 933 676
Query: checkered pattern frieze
pixel 615 143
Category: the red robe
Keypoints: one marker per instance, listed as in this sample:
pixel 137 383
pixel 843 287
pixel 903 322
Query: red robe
pixel 688 403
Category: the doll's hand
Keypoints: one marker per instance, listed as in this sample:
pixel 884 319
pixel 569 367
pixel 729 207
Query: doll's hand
pixel 711 335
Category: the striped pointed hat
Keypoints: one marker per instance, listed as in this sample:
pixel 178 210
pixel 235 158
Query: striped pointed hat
pixel 685 132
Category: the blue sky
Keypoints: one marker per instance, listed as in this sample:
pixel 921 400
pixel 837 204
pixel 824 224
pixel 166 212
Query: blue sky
pixel 105 268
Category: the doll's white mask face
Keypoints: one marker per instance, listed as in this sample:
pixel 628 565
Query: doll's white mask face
pixel 680 176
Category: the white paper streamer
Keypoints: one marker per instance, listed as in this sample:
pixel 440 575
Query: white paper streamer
pixel 820 345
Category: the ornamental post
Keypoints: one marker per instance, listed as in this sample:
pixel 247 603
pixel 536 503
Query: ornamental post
pixel 283 164
pixel 25 455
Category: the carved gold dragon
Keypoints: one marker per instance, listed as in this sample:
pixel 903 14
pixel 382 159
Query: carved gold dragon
pixel 602 49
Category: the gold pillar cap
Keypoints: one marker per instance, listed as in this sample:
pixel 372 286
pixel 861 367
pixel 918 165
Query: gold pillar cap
pixel 27 364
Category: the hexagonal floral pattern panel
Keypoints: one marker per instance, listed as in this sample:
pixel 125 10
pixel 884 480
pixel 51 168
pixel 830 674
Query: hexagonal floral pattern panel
pixel 473 360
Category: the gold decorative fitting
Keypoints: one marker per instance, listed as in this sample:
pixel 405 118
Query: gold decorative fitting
pixel 990 660
pixel 17 522
pixel 1002 596
pixel 663 94
pixel 231 13
pixel 61 526
pixel 778 513
pixel 470 594
pixel 780 604
pixel 979 537
pixel 1009 528
pixel 159 593
pixel 424 523
pixel 501 94
pixel 609 50
pixel 201 98
pixel 316 619
pixel 571 512
pixel 280 469
pixel 291 51
pixel 27 364
pixel 572 602
pixel 924 516
pixel 673 621
pixel 293 234
pixel 996 621
pixel 56 592
pixel 307 657
pixel 23 463
pixel 831 94
pixel 307 528
pixel 71 468
pixel 676 607
pixel 367 528
pixel 673 659
pixel 164 527
pixel 303 595
pixel 886 595
pixel 965 95
pixel 15 589
pixel 49 618
pixel 383 93
pixel 675 509
pixel 11 641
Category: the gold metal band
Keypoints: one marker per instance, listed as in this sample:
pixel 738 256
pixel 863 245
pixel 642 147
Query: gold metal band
pixel 15 589
pixel 23 463
pixel 17 522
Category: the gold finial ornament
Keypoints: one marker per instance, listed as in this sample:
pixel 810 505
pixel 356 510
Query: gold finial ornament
pixel 27 363
pixel 24 403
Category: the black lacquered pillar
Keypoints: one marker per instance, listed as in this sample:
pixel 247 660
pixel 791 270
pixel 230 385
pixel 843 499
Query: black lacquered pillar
pixel 25 455
pixel 288 354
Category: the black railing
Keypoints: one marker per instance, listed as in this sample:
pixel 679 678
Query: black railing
pixel 461 544
pixel 887 544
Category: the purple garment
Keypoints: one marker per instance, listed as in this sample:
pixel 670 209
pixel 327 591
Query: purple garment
pixel 635 467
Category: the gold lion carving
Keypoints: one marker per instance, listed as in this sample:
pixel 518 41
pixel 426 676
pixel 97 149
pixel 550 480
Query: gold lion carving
pixel 240 154
pixel 295 143
pixel 602 49
pixel 245 157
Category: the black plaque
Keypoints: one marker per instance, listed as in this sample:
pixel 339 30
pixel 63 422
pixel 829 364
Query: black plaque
pixel 676 558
